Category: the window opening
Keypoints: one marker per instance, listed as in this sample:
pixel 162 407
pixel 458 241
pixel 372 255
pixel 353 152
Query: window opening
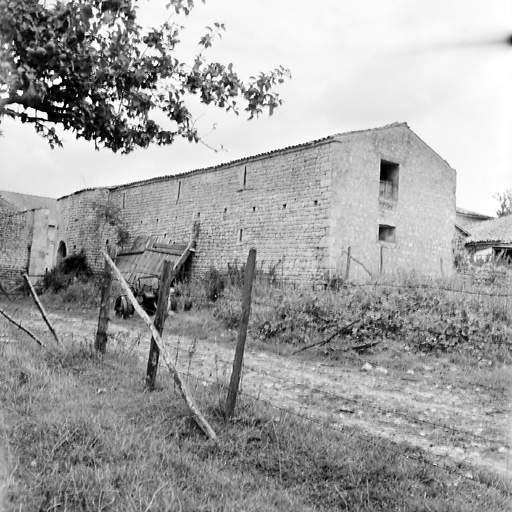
pixel 245 178
pixel 240 234
pixel 388 180
pixel 124 200
pixel 179 191
pixel 387 234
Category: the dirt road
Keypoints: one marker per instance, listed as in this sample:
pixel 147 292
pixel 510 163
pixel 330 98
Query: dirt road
pixel 456 423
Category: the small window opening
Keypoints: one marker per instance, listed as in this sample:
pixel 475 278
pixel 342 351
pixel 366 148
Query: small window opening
pixel 254 208
pixel 124 200
pixel 198 215
pixel 245 178
pixel 157 221
pixel 225 210
pixel 387 234
pixel 388 180
pixel 284 207
pixel 179 191
pixel 315 202
pixel 240 234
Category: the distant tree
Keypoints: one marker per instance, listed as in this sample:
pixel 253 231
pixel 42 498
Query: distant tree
pixel 505 200
pixel 87 66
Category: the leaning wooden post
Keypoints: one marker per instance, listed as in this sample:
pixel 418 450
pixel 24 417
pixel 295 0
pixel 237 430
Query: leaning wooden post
pixel 41 309
pixel 19 326
pixel 347 270
pixel 100 343
pixel 242 334
pixel 180 384
pixel 162 309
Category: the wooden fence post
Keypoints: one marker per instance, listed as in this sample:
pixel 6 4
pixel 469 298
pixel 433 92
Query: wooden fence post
pixel 242 335
pixel 100 342
pixel 180 384
pixel 162 308
pixel 347 270
pixel 40 307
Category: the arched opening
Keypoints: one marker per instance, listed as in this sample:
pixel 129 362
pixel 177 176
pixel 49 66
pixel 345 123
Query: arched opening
pixel 62 252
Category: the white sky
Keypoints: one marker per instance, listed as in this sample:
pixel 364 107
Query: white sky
pixel 356 64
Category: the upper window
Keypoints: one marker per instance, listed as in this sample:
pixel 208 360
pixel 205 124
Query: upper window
pixel 388 180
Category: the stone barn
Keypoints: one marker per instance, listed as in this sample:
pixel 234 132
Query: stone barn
pixel 382 194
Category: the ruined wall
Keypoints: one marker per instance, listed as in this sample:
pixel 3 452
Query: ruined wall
pixel 423 214
pixel 15 241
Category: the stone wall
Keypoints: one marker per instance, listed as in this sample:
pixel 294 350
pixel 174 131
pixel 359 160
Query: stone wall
pixel 78 226
pixel 300 207
pixel 15 241
pixel 422 215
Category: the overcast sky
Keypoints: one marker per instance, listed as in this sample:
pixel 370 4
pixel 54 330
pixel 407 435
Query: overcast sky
pixel 356 64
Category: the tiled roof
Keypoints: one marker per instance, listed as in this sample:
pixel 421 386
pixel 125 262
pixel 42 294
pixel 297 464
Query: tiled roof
pixel 323 140
pixel 469 213
pixel 494 230
pixel 24 202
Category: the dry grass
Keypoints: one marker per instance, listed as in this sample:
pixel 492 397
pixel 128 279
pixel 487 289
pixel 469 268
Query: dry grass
pixel 84 435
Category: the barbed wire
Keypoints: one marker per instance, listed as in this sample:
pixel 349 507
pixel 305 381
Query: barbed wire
pixel 439 464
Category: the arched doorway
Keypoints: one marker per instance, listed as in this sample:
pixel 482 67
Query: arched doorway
pixel 62 252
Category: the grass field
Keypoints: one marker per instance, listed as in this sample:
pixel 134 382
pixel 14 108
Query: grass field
pixel 83 434
pixel 80 432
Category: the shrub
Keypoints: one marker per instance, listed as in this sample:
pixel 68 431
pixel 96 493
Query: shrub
pixel 74 268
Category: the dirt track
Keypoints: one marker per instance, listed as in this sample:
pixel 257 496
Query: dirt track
pixel 454 422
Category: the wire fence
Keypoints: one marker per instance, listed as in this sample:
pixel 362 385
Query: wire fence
pixel 439 462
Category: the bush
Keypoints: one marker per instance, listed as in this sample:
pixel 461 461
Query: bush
pixel 74 268
pixel 214 284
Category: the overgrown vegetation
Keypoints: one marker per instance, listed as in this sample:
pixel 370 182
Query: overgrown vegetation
pixel 73 280
pixel 84 435
pixel 442 316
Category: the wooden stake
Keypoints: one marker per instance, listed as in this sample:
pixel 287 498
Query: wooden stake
pixel 242 335
pixel 100 343
pixel 162 308
pixel 41 309
pixel 19 326
pixel 347 270
pixel 189 400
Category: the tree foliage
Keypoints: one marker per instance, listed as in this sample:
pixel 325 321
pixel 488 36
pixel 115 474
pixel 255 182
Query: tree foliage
pixel 89 67
pixel 505 201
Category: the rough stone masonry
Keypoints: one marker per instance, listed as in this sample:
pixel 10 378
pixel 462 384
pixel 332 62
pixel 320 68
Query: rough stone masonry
pixel 382 192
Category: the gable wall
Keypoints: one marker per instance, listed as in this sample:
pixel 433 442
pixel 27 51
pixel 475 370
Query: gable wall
pixel 423 215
